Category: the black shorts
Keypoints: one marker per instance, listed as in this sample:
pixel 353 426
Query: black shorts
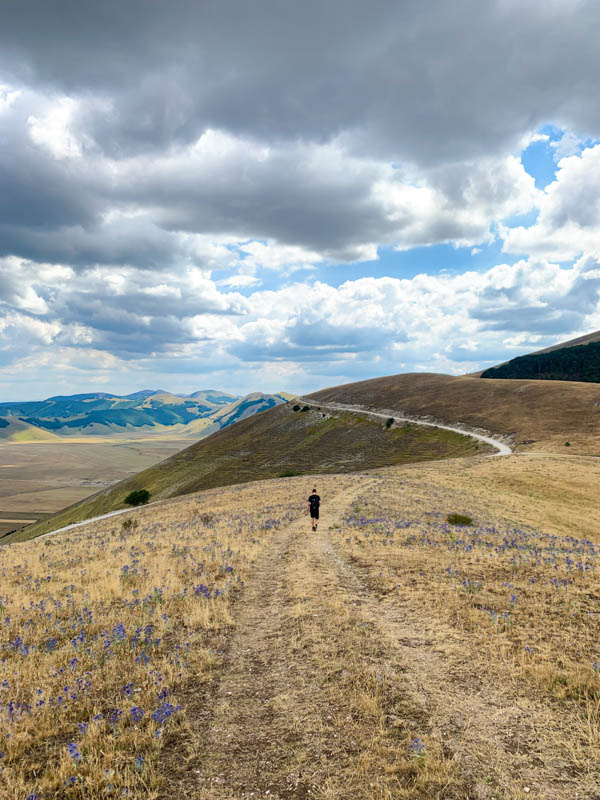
pixel 314 513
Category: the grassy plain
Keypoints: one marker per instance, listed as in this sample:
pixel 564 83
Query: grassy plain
pixel 105 631
pixel 222 649
pixel 270 444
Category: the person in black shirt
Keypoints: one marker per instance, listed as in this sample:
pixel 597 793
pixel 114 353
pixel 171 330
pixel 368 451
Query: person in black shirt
pixel 312 508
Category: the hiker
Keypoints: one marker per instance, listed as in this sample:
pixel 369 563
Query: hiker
pixel 312 508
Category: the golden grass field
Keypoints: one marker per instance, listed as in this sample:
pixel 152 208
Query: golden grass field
pixel 222 649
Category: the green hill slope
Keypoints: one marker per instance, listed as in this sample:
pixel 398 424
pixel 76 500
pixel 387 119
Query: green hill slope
pixel 269 445
pixel 579 363
pixel 146 411
pixel 102 413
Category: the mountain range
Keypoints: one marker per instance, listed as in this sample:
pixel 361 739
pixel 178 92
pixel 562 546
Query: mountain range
pixel 145 411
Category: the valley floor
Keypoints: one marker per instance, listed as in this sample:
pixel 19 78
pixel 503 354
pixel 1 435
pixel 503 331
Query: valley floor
pixel 387 655
pixel 39 478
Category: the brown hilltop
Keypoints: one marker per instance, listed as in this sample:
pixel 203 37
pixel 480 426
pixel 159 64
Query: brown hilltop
pixel 544 414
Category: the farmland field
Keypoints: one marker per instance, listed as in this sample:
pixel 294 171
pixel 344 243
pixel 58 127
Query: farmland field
pixel 221 649
pixel 37 478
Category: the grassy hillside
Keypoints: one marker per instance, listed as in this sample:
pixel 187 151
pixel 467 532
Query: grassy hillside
pixel 579 363
pixel 268 445
pixel 548 413
pixel 215 647
pixel 13 429
pixel 101 412
pixel 105 414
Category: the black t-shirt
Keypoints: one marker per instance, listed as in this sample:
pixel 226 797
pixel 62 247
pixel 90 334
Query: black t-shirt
pixel 315 502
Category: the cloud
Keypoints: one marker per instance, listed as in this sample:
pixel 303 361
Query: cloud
pixel 403 80
pixel 568 223
pixel 283 206
pixel 168 176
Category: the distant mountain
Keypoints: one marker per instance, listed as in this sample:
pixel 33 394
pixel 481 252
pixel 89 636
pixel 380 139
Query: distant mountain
pixel 102 413
pixel 568 362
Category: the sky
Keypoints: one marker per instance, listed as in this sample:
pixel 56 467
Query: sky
pixel 283 196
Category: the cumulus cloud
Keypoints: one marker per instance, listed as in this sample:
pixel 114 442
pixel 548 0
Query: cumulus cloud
pixel 167 177
pixel 568 223
pixel 406 79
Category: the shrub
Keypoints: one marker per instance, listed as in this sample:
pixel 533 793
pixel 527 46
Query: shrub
pixel 306 408
pixel 129 525
pixel 289 473
pixel 389 422
pixel 138 498
pixel 458 519
pixel 296 408
pixel 567 444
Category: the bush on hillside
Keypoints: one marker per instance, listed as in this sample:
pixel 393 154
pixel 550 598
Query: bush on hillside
pixel 296 408
pixel 138 498
pixel 289 473
pixel 129 525
pixel 459 519
pixel 306 408
pixel 389 422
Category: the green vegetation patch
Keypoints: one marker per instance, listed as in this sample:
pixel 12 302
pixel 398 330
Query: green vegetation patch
pixel 579 363
pixel 459 519
pixel 139 497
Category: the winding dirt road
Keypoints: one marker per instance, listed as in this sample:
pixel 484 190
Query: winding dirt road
pixel 502 448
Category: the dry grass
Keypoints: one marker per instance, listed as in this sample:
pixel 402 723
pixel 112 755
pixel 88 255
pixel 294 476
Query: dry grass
pixel 388 655
pixel 505 622
pixel 267 445
pixel 544 413
pixel 102 627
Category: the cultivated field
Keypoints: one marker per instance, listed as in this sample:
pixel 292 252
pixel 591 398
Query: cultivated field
pixel 39 478
pixel 221 649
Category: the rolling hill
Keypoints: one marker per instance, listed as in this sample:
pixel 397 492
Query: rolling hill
pixel 102 414
pixel 544 413
pixel 277 442
pixel 588 338
pixel 577 363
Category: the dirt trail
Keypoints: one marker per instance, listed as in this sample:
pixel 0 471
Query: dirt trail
pixel 259 730
pixel 502 448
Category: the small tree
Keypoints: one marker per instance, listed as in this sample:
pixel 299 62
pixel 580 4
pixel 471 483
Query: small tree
pixel 389 422
pixel 296 408
pixel 138 498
